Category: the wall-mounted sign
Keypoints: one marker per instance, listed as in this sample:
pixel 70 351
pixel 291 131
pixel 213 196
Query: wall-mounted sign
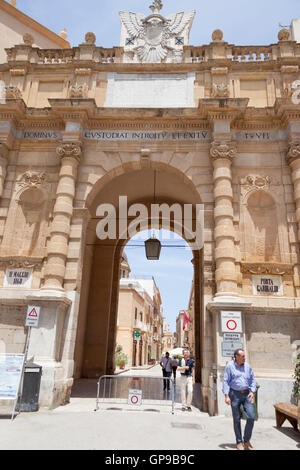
pixel 231 322
pixel 267 284
pixel 229 347
pixel 232 337
pixel 137 334
pixel 33 315
pixel 19 277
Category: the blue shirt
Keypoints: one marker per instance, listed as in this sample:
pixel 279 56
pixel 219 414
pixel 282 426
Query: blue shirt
pixel 191 364
pixel 238 378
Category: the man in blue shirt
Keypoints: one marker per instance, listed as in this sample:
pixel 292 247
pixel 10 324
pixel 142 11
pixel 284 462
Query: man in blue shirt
pixel 186 381
pixel 239 388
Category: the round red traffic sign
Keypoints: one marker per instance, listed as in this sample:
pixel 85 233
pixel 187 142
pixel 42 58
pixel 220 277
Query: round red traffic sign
pixel 231 325
pixel 134 399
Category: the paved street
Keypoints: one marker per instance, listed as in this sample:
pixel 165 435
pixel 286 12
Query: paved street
pixel 121 427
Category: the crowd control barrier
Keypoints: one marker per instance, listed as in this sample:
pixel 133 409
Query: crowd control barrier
pixel 134 391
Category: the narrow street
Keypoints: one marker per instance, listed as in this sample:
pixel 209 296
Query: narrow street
pixel 149 380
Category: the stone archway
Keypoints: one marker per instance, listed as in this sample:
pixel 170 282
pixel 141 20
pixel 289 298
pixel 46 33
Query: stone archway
pixel 95 341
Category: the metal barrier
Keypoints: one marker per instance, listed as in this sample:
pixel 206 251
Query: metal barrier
pixel 135 391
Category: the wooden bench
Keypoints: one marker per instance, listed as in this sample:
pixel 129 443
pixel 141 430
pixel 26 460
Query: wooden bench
pixel 287 411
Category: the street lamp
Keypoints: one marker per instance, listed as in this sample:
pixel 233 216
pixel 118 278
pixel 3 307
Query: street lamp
pixel 152 247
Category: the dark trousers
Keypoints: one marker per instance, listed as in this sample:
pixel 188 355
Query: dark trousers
pixel 174 372
pixel 166 376
pixel 238 399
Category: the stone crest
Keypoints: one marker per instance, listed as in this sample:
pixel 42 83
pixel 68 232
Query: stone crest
pixel 153 39
pixel 33 179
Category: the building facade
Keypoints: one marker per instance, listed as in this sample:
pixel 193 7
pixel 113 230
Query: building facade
pixel 139 327
pixel 219 125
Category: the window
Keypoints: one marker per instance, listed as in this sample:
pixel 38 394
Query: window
pixel 179 41
pixel 129 42
pixel 135 314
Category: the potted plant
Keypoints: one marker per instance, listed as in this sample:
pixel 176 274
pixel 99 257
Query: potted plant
pixel 120 357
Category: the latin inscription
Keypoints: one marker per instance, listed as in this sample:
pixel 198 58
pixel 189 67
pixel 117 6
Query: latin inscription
pixel 148 135
pixel 41 135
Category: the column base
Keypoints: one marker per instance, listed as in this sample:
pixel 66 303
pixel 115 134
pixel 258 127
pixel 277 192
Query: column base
pixel 229 299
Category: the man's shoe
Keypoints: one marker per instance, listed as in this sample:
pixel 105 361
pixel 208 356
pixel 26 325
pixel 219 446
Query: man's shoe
pixel 240 446
pixel 248 446
pixel 183 408
pixel 189 408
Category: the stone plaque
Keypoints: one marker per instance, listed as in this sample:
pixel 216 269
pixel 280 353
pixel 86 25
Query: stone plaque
pixel 18 277
pixel 267 285
pixel 228 348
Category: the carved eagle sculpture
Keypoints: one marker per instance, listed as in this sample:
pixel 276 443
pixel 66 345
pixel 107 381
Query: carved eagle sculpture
pixel 155 32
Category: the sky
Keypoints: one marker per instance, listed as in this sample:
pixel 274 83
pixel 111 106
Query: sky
pixel 243 22
pixel 173 272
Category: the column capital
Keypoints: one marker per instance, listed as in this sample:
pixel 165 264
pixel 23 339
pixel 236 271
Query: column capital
pixel 223 150
pixel 293 153
pixel 70 149
pixel 3 151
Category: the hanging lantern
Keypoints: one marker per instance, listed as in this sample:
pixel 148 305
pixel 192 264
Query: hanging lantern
pixel 152 247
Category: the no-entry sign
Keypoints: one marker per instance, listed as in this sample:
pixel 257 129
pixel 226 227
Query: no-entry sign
pixel 231 322
pixel 135 397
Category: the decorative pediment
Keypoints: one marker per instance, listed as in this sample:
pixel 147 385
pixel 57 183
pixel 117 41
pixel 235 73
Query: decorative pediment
pixel 266 268
pixel 20 262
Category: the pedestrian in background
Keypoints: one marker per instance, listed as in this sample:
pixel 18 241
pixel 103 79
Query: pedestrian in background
pixel 166 366
pixel 187 379
pixel 239 388
pixel 174 367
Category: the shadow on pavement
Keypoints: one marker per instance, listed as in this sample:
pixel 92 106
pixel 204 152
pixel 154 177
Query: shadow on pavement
pixel 290 432
pixel 228 446
pixel 84 388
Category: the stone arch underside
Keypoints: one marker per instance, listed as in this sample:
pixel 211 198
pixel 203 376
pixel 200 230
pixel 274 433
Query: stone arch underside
pixel 99 291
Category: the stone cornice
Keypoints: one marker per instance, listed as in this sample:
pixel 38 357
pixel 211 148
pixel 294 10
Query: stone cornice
pixel 90 116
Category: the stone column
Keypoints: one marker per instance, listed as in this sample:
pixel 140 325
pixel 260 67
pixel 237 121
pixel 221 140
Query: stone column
pixel 222 154
pixel 293 158
pixel 3 166
pixel 70 153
